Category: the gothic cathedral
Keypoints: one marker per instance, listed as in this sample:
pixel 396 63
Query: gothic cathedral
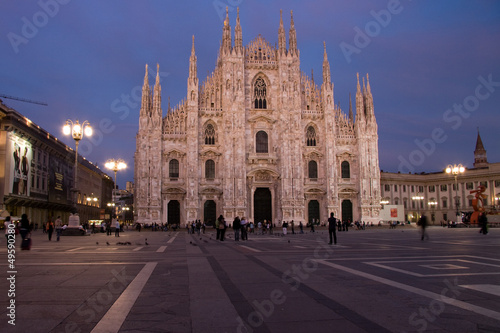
pixel 258 138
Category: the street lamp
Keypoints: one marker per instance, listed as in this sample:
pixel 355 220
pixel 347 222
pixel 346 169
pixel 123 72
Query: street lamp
pixel 418 198
pixel 115 165
pixel 455 170
pixel 77 131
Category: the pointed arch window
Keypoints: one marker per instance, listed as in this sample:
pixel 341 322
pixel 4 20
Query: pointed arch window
pixel 346 169
pixel 311 137
pixel 260 94
pixel 210 135
pixel 261 141
pixel 313 170
pixel 173 169
pixel 209 169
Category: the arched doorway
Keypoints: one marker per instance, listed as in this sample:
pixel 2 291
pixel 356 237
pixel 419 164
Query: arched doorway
pixel 209 212
pixel 263 209
pixel 346 210
pixel 174 212
pixel 313 211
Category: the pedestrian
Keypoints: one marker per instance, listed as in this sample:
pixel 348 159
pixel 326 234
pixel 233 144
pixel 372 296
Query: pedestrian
pixel 422 222
pixel 483 222
pixel 301 227
pixel 293 224
pixel 312 226
pixel 332 225
pixel 243 228
pixel 24 226
pixel 222 227
pixel 50 228
pixel 285 227
pixel 217 224
pixel 58 226
pixel 117 228
pixel 236 228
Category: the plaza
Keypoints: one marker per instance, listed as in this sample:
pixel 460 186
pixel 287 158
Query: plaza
pixel 373 280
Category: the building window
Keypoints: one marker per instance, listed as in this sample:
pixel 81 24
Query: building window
pixel 387 187
pixel 405 203
pixel 313 170
pixel 210 135
pixel 445 203
pixel 444 188
pixel 173 169
pixel 260 94
pixel 396 201
pixel 209 169
pixel 497 183
pixel 261 142
pixel 432 188
pixel 484 183
pixel 395 188
pixel 311 137
pixel 470 185
pixel 421 189
pixel 413 188
pixel 346 169
pixel 404 188
pixel 470 202
pixel 413 204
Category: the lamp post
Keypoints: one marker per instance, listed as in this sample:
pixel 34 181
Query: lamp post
pixel 77 131
pixel 417 198
pixel 455 170
pixel 115 165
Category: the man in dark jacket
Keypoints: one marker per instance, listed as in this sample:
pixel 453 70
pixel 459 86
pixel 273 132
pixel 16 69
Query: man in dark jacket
pixel 332 224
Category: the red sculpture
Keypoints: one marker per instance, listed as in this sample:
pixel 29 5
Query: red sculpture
pixel 477 203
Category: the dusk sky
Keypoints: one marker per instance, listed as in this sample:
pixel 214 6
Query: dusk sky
pixel 434 66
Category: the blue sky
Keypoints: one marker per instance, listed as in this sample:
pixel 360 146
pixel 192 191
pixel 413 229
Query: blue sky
pixel 434 66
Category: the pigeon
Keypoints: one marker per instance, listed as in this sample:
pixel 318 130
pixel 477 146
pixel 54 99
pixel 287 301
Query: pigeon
pixel 107 243
pixel 146 242
pixel 96 243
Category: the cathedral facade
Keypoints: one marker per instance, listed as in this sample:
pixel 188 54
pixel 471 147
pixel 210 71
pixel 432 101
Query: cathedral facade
pixel 258 138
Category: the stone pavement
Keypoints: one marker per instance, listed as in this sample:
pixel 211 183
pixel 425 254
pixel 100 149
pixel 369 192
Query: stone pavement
pixel 374 280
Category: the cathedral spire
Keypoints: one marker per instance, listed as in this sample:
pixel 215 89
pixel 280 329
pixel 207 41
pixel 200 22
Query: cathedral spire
pixel 145 95
pixel 480 160
pixel 238 36
pixel 226 35
pixel 281 36
pixel 326 67
pixel 193 72
pixel 292 36
pixel 157 113
pixel 351 116
pixel 360 108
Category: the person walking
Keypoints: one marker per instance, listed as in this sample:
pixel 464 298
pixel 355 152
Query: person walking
pixel 58 225
pixel 50 228
pixel 236 228
pixel 243 228
pixel 483 222
pixel 285 227
pixel 422 222
pixel 301 227
pixel 24 226
pixel 117 228
pixel 293 225
pixel 332 225
pixel 217 224
pixel 222 227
